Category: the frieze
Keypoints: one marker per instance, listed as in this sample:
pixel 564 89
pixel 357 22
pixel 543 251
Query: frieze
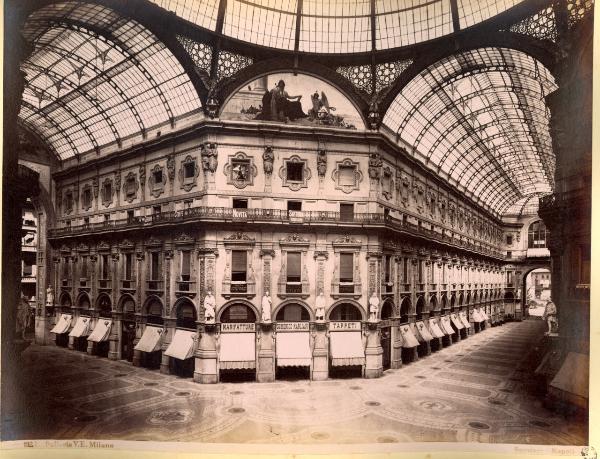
pixel 347 239
pixel 266 253
pixel 183 238
pixel 294 239
pixel 321 254
pixel 239 236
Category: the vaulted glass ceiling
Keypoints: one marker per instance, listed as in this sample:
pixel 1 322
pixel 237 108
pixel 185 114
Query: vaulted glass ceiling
pixel 95 78
pixel 336 26
pixel 479 119
pixel 524 207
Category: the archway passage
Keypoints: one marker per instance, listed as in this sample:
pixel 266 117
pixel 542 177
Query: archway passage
pixel 128 327
pixel 387 312
pixel 537 291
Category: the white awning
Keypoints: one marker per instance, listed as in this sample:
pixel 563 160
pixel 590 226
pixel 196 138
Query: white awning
pixel 150 340
pixel 408 339
pixel 182 345
pixel 435 329
pixel 476 316
pixel 63 324
pixel 101 330
pixel 463 318
pixel 422 329
pixel 293 349
pixel 456 321
pixel 238 351
pixel 81 328
pixel 483 314
pixel 445 323
pixel 346 348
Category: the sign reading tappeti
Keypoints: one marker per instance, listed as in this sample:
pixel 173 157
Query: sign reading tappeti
pixel 344 326
pixel 291 326
pixel 238 328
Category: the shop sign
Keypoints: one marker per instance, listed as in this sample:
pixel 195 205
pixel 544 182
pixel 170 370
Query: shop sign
pixel 344 326
pixel 237 327
pixel 291 326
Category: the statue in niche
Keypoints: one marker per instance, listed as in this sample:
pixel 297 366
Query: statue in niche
pixel 171 167
pixel 266 307
pixel 549 317
pixel 373 307
pixel 375 163
pixel 142 171
pixel 321 162
pixel 49 296
pixel 268 159
pixel 209 308
pixel 320 307
pixel 23 316
pixel 209 157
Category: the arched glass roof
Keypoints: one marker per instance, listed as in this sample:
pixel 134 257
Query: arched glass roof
pixel 95 78
pixel 336 26
pixel 478 118
pixel 524 207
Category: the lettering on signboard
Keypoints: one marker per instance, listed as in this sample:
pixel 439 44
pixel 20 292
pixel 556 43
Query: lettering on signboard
pixel 291 326
pixel 344 326
pixel 237 328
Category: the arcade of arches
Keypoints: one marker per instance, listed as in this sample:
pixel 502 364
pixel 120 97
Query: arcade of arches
pixel 222 203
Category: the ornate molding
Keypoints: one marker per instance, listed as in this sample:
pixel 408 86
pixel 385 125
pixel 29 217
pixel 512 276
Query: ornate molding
pixel 375 163
pixel 130 187
pixel 240 170
pixel 209 157
pixel 295 185
pixel 107 191
pixel 268 159
pixel 157 188
pixel 347 187
pixel 187 183
pixel 321 163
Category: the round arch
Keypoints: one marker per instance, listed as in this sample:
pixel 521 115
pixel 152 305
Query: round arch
pixel 405 308
pixel 185 312
pixel 104 304
pixel 65 300
pixel 443 301
pixel 420 307
pixel 351 302
pixel 291 302
pixel 240 302
pixel 182 301
pixel 152 306
pixel 433 302
pixel 126 304
pixel 83 301
pixel 387 310
pixel 230 87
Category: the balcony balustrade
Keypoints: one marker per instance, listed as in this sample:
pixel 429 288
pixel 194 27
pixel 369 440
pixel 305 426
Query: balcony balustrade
pixel 155 286
pixel 238 289
pixel 346 289
pixel 274 215
pixel 128 284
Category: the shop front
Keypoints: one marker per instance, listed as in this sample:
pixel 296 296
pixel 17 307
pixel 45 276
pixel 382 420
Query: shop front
pixel 293 353
pixel 346 346
pixel 236 344
pixel 184 341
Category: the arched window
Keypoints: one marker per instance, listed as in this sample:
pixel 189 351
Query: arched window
pixel 84 302
pixel 186 315
pixel 292 313
pixel 420 307
pixel 155 313
pixel 104 306
pixel 387 311
pixel 345 311
pixel 238 313
pixel 537 235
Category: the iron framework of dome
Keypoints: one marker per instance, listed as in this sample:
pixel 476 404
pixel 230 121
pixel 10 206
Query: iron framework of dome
pixel 461 84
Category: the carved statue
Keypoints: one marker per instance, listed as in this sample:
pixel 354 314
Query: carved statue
pixel 373 307
pixel 375 164
pixel 266 307
pixel 22 316
pixel 209 157
pixel 550 317
pixel 320 306
pixel 209 308
pixel 171 167
pixel 118 182
pixel 321 162
pixel 95 186
pixel 142 171
pixel 49 296
pixel 268 159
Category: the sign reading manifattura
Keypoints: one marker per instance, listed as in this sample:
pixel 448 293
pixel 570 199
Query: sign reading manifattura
pixel 291 326
pixel 344 326
pixel 237 328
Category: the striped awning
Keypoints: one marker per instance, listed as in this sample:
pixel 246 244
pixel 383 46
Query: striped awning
pixel 182 345
pixel 423 332
pixel 63 324
pixel 150 340
pixel 293 349
pixel 238 351
pixel 456 321
pixel 101 331
pixel 408 338
pixel 346 348
pixel 435 329
pixel 81 328
pixel 463 318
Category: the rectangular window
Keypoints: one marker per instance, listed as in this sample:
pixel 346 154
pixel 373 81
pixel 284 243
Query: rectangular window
pixel 295 172
pixel 87 198
pixel 509 254
pixel 387 264
pixel 154 266
pixel 185 265
pixel 405 270
pixel 346 267
pixel 346 212
pixel 158 177
pixel 86 220
pixel 130 215
pixel 294 267
pixel 105 267
pixel 156 209
pixel 294 205
pixel 128 260
pixel 239 265
pixel 107 192
pixel 240 203
pixel 420 271
pixel 65 268
pixel 84 268
pixel 106 217
pixel 509 278
pixel 189 170
pixel 27 269
pixel 346 175
pixel 509 239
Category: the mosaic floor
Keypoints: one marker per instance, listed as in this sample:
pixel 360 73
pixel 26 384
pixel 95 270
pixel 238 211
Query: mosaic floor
pixel 477 390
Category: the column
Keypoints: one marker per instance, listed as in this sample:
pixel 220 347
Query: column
pixel 320 366
pixel 396 344
pixel 139 324
pixel 114 350
pixel 205 364
pixel 266 353
pixel 168 336
pixel 373 351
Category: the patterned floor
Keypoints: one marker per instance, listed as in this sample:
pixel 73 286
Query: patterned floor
pixel 477 390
